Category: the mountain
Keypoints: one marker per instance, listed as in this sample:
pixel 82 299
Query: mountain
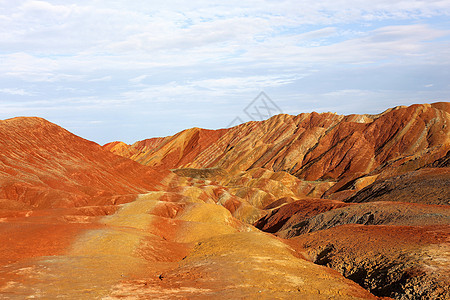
pixel 350 152
pixel 314 206
pixel 44 166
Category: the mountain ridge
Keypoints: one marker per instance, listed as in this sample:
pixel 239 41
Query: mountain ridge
pixel 44 162
pixel 314 206
pixel 315 146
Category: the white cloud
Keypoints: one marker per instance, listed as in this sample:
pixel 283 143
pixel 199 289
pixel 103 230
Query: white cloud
pixel 27 67
pixel 392 42
pixel 317 34
pixel 253 82
pixel 138 79
pixel 43 7
pixel 15 91
pixel 207 89
pixel 101 79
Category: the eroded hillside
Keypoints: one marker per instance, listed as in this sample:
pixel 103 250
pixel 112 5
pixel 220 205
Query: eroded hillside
pixel 314 206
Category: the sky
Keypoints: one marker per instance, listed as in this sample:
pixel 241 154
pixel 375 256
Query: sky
pixel 130 70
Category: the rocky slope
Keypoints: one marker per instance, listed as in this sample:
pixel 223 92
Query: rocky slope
pixel 402 262
pixel 79 222
pixel 284 170
pixel 374 213
pixel 54 185
pixel 44 166
pixel 171 244
pixel 351 151
pixel 343 207
pixel 428 186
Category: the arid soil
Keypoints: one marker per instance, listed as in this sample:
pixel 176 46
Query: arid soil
pixel 314 206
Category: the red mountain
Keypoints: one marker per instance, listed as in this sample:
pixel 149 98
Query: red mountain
pixel 314 206
pixel 43 165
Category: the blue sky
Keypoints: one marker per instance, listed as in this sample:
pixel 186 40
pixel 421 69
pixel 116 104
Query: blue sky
pixel 130 70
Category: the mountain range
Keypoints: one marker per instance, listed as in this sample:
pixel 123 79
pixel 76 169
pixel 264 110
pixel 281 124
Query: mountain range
pixel 313 206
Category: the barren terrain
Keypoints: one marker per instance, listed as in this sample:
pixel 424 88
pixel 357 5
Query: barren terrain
pixel 314 206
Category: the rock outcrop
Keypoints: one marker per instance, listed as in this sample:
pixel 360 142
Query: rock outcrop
pixel 374 213
pixel 428 186
pixel 295 213
pixel 402 262
pixel 314 206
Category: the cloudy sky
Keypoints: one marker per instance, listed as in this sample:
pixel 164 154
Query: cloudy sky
pixel 129 70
